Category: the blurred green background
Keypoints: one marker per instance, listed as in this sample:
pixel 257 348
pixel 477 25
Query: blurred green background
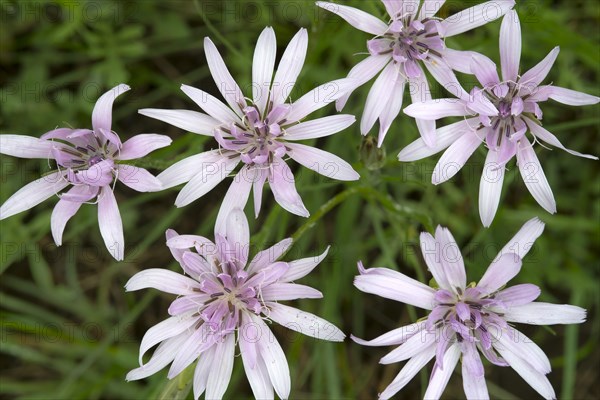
pixel 69 331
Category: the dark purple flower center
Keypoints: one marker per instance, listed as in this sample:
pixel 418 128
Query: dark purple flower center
pixel 409 41
pixel 508 127
pixel 81 153
pixel 257 140
pixel 467 314
pixel 231 291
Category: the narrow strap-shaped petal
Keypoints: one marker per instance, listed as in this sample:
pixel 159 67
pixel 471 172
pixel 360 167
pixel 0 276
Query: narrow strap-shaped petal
pixel 142 145
pixel 391 110
pixel 455 157
pixel 442 73
pixel 177 253
pixel 263 64
pixel 485 70
pixel 102 114
pixel 518 295
pixel 395 286
pixel 535 379
pixel 184 170
pixel 523 241
pixel 201 372
pixel 268 275
pixel 539 313
pixel 534 177
pixel 458 60
pixel 571 97
pixel 430 249
pixel 197 266
pixel 532 78
pixel 191 121
pixel 440 377
pixel 274 358
pixel 410 369
pixel 184 304
pixel 60 133
pixel 393 337
pixel 33 194
pixel 225 82
pixel 163 280
pixel 65 209
pixel 164 330
pixel 236 197
pixel 322 162
pixel 209 176
pixel 260 177
pixel 510 46
pixel 284 190
pixel 451 259
pixel 220 373
pixel 162 356
pixel 446 135
pixel 541 133
pixel 190 241
pixel 138 179
pixel 300 268
pixel 111 226
pixel 196 344
pixel 268 256
pixel 355 17
pixel 237 233
pixel 289 67
pixel 517 343
pixel 289 291
pixel 319 127
pixel 363 72
pixel 305 323
pixel 500 272
pixel 436 109
pixel 26 146
pixel 213 106
pixel 473 383
pixel 378 96
pixel 419 92
pixel 256 370
pixel 393 7
pixel 490 188
pixel 319 97
pixel 476 16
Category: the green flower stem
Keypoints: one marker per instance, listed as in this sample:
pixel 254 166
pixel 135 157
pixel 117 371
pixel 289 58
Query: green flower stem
pixel 179 387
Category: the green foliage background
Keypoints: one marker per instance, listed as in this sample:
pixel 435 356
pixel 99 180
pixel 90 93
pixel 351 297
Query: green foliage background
pixel 69 331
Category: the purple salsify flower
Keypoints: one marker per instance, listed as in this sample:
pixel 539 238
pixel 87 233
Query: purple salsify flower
pixel 88 162
pixel 412 38
pixel 222 300
pixel 499 114
pixel 259 133
pixel 466 320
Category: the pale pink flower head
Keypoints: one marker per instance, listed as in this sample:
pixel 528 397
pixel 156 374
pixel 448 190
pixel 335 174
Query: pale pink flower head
pixel 88 161
pixel 467 319
pixel 411 39
pixel 224 300
pixel 259 133
pixel 499 115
